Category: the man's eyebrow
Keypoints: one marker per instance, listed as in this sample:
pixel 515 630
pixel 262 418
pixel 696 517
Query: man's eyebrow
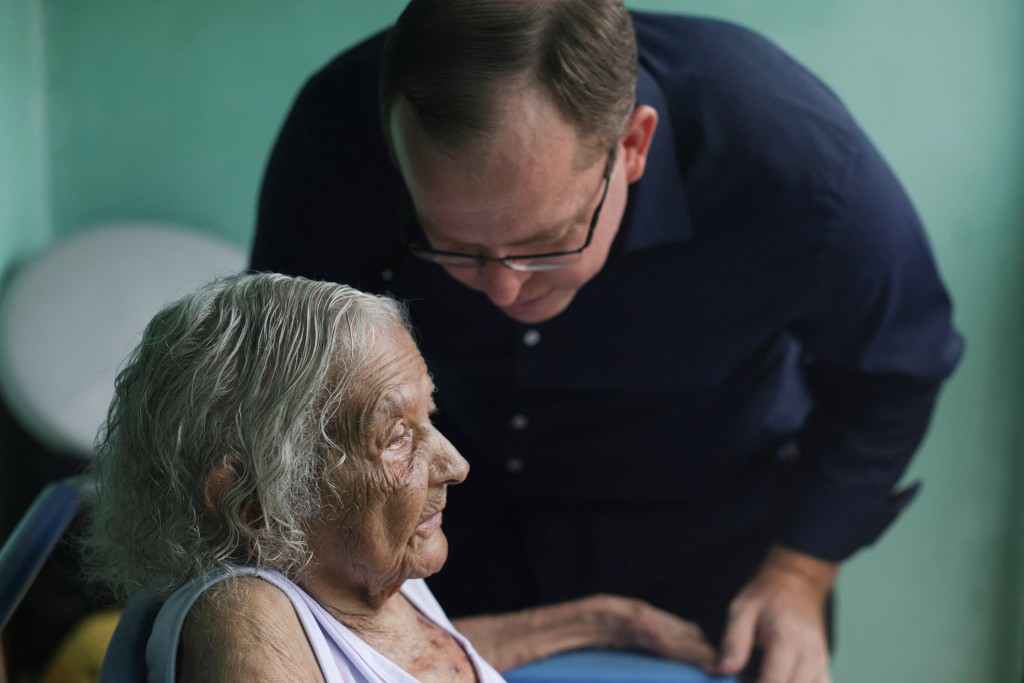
pixel 547 234
pixel 581 216
pixel 550 232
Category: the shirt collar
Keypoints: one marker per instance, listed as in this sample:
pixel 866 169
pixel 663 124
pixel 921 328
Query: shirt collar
pixel 656 211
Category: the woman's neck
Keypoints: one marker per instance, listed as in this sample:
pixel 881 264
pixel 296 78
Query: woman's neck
pixel 362 606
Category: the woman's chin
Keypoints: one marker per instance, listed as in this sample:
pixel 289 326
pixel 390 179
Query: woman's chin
pixel 427 555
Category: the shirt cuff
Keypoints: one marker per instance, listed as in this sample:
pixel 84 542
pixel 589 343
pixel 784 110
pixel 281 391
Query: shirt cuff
pixel 831 522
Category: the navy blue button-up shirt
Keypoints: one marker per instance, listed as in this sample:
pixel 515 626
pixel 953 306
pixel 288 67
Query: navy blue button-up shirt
pixel 769 331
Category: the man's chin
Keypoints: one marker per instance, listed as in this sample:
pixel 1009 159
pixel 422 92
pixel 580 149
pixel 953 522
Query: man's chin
pixel 539 311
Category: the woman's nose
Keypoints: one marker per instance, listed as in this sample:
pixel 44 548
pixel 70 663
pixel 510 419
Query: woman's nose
pixel 448 465
pixel 501 284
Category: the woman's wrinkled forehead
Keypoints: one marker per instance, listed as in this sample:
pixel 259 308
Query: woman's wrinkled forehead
pixel 393 379
pixel 410 386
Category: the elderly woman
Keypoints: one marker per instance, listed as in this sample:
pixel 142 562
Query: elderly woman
pixel 269 465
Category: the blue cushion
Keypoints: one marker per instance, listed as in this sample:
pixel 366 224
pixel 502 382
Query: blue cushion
pixel 598 666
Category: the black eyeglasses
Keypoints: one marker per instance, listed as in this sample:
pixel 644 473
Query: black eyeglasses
pixel 552 260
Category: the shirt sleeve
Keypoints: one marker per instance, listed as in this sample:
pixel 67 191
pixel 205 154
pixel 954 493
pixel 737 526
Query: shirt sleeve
pixel 878 345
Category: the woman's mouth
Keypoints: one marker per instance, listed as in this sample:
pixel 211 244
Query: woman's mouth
pixel 430 523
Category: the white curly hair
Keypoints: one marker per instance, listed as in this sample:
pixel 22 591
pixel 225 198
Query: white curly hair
pixel 258 371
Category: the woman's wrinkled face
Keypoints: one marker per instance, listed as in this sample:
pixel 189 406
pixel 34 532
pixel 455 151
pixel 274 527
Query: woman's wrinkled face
pixel 389 529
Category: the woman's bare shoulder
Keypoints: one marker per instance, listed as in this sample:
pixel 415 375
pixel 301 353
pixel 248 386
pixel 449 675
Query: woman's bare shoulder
pixel 245 629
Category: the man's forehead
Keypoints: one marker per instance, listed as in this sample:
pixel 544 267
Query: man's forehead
pixel 530 131
pixel 523 185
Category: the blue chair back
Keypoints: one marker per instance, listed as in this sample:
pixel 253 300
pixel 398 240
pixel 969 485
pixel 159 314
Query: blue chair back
pixel 32 541
pixel 125 661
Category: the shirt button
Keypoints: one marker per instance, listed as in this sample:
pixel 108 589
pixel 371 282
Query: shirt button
pixel 788 452
pixel 514 465
pixel 531 338
pixel 519 422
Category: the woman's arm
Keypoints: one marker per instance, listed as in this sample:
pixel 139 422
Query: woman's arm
pixel 599 621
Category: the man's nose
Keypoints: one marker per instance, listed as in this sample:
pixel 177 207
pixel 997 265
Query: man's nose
pixel 501 284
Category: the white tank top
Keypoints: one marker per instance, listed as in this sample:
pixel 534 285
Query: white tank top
pixel 342 655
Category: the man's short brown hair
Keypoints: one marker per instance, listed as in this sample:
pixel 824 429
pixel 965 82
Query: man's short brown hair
pixel 452 61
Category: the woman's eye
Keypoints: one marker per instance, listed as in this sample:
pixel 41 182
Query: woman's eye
pixel 400 439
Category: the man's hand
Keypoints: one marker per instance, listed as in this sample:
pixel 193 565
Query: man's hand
pixel 599 621
pixel 783 610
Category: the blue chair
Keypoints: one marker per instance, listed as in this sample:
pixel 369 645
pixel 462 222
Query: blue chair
pixel 28 548
pixel 125 660
pixel 32 541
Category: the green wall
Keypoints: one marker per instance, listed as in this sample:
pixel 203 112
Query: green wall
pixel 24 211
pixel 166 110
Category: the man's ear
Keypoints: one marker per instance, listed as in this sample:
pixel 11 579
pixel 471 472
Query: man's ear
pixel 223 475
pixel 636 142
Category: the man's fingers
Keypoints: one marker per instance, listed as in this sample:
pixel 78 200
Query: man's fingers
pixel 738 640
pixel 780 664
pixel 812 669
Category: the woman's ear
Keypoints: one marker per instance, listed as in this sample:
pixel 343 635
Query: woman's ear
pixel 636 142
pixel 223 475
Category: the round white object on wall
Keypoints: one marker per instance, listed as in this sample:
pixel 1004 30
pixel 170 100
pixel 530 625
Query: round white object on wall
pixel 70 316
